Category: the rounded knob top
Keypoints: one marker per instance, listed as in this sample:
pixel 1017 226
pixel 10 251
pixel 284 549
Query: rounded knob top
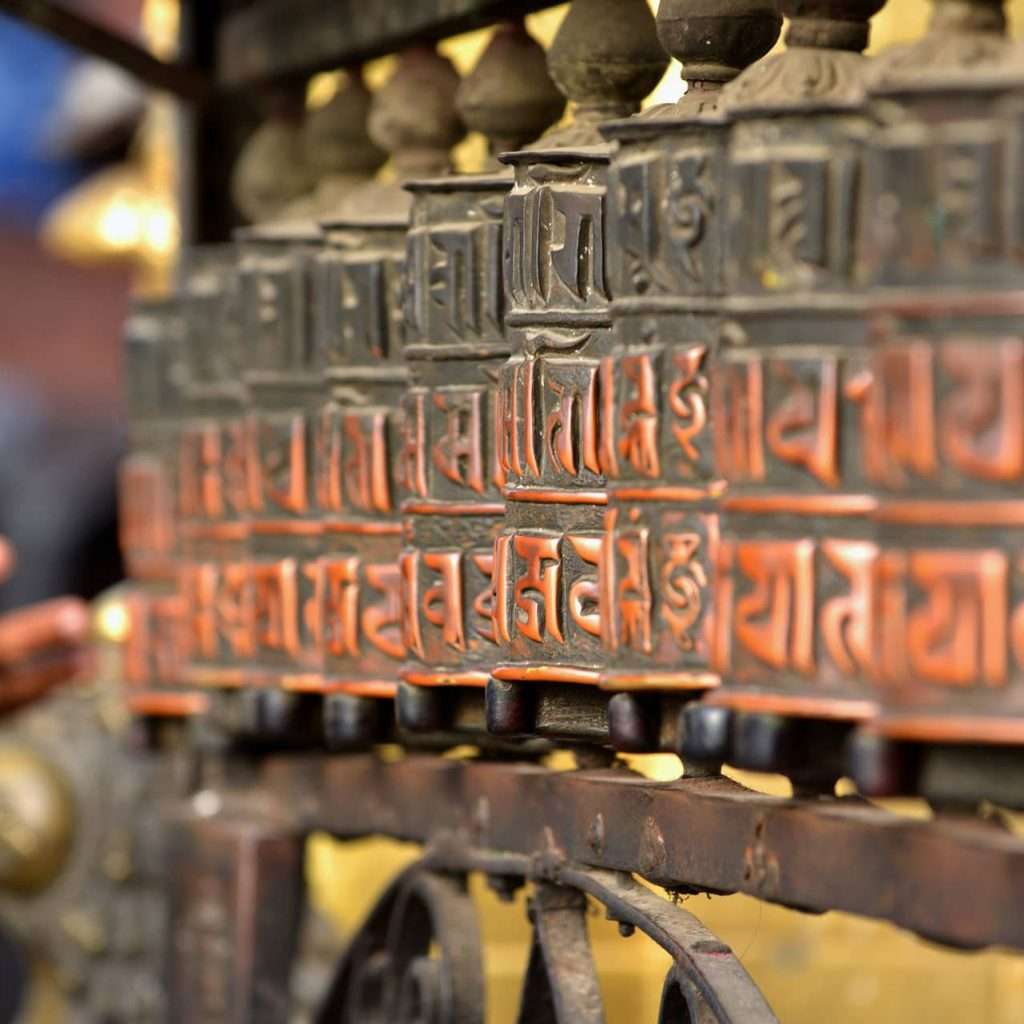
pixel 606 57
pixel 413 116
pixel 509 96
pixel 715 40
pixel 830 24
pixel 271 170
pixel 335 136
pixel 965 39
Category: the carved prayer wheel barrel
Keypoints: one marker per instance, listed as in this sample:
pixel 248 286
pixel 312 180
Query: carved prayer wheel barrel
pixel 153 660
pixel 451 477
pixel 667 222
pixel 946 459
pixel 281 369
pixel 796 560
pixel 547 557
pixel 359 280
pixel 212 492
pixel 451 474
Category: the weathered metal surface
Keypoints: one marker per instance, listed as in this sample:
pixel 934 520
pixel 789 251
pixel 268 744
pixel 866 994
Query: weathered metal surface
pixel 416 957
pixel 148 498
pixel 550 421
pixel 236 895
pixel 272 38
pixel 281 369
pixel 699 834
pixel 941 262
pixel 667 221
pixel 451 475
pixel 794 593
pixel 211 476
pixel 358 295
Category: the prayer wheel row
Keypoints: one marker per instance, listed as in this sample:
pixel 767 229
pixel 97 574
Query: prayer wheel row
pixel 691 430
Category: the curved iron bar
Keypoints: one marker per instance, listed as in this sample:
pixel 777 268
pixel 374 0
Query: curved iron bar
pixel 706 970
pixel 561 985
pixel 416 960
pixel 707 983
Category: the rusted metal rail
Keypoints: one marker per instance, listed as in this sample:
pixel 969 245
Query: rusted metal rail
pixel 949 879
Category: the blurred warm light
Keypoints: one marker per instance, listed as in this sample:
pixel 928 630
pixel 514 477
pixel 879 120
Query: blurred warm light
pixel 110 621
pixel 323 88
pixel 116 214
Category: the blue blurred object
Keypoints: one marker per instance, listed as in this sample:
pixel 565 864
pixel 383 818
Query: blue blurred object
pixel 33 70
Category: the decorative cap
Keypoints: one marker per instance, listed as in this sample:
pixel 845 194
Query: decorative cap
pixel 335 136
pixel 822 65
pixel 714 40
pixel 413 116
pixel 271 170
pixel 964 37
pixel 605 59
pixel 509 96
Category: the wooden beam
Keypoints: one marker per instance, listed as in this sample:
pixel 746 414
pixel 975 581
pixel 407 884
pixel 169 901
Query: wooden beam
pixel 273 39
pixel 84 34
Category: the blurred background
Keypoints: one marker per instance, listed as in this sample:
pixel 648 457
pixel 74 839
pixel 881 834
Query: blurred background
pixel 87 217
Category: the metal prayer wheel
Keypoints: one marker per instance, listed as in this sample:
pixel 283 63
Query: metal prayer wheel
pixel 941 257
pixel 358 286
pixel 282 373
pixel 212 484
pixel 547 557
pixel 667 226
pixel 794 612
pixel 451 475
pixel 153 659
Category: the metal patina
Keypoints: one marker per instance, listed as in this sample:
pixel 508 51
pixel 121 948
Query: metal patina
pixel 695 431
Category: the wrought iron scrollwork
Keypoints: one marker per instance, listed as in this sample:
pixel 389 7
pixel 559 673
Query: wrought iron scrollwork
pixel 415 961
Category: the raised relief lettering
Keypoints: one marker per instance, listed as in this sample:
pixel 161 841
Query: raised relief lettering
pixel 683 582
pixel 904 439
pixel 802 429
pixel 981 426
pixel 483 600
pixel 412 633
pixel 412 465
pixel 366 461
pixel 517 415
pixel 956 635
pixel 585 591
pixel 690 206
pixel 571 441
pixel 280 477
pixel 688 403
pixel 276 606
pixel 847 620
pixel 638 415
pixel 638 225
pixel 633 599
pixel 442 600
pixel 458 451
pixel 381 620
pixel 555 245
pixel 457 289
pixel 536 588
pixel 774 614
pixel 341 606
pixel 739 414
